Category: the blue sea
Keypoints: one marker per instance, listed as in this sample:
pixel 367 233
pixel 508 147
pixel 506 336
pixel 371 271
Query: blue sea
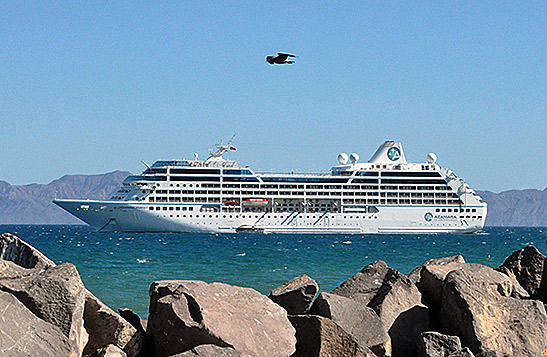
pixel 119 267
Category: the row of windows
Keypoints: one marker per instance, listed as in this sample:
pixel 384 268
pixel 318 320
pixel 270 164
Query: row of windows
pixel 312 193
pixel 158 175
pixel 316 187
pixel 456 210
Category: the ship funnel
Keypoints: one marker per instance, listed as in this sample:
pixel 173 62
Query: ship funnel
pixel 390 152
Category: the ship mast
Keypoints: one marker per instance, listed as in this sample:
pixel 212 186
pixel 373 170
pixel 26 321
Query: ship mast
pixel 221 149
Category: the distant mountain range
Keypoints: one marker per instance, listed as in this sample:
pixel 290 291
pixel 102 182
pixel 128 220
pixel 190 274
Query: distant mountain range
pixel 31 204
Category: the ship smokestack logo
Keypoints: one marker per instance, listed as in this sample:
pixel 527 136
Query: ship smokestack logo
pixel 394 154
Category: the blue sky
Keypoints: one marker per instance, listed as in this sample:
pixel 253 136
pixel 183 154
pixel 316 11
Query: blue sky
pixel 91 87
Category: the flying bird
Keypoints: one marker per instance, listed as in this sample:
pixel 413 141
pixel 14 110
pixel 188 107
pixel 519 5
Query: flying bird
pixel 281 58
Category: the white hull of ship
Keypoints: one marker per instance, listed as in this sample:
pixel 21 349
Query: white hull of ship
pixel 107 216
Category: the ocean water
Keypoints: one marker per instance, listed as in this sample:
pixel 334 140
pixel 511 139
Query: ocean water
pixel 119 267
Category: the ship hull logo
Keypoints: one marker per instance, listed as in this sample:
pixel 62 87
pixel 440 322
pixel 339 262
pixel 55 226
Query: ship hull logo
pixel 394 154
pixel 428 217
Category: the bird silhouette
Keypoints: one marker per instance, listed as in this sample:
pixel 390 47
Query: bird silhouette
pixel 281 58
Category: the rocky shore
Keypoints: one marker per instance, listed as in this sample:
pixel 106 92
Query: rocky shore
pixel 445 307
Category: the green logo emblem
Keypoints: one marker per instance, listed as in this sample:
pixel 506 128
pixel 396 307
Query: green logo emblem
pixel 428 216
pixel 394 154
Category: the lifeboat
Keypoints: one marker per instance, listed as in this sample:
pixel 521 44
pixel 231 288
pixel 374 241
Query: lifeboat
pixel 231 202
pixel 255 202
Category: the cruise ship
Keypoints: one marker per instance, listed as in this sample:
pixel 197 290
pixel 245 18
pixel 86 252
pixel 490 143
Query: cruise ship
pixel 387 194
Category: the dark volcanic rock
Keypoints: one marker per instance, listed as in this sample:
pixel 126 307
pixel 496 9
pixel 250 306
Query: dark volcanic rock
pixel 106 327
pixel 22 333
pixel 322 337
pixel 55 295
pixel 358 320
pixel 185 314
pixel 296 295
pixel 476 307
pixel 13 249
pixel 527 265
pixel 435 344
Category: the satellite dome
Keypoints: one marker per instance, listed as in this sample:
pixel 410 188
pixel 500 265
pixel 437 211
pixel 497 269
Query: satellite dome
pixel 354 158
pixel 431 158
pixel 343 158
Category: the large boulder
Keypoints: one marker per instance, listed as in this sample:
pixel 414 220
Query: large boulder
pixel 364 285
pixel 358 320
pixel 57 296
pixel 527 265
pixel 433 276
pixel 396 300
pixel 296 295
pixel 106 327
pixel 416 274
pixel 477 307
pixel 185 314
pixel 14 249
pixel 321 337
pixel 22 333
pixel 435 344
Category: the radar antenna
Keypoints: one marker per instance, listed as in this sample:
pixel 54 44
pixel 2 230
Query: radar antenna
pixel 221 149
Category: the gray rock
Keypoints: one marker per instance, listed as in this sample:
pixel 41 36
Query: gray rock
pixel 109 351
pixel 22 333
pixel 527 265
pixel 398 304
pixel 322 337
pixel 415 275
pixel 477 308
pixel 55 295
pixel 10 270
pixel 296 295
pixel 431 281
pixel 358 320
pixel 396 300
pixel 185 314
pixel 364 285
pixel 210 351
pixel 491 353
pixel 435 344
pixel 518 291
pixel 14 249
pixel 433 276
pixel 106 327
pixel 465 352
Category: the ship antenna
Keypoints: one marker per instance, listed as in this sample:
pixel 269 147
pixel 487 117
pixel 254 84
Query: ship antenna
pixel 145 164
